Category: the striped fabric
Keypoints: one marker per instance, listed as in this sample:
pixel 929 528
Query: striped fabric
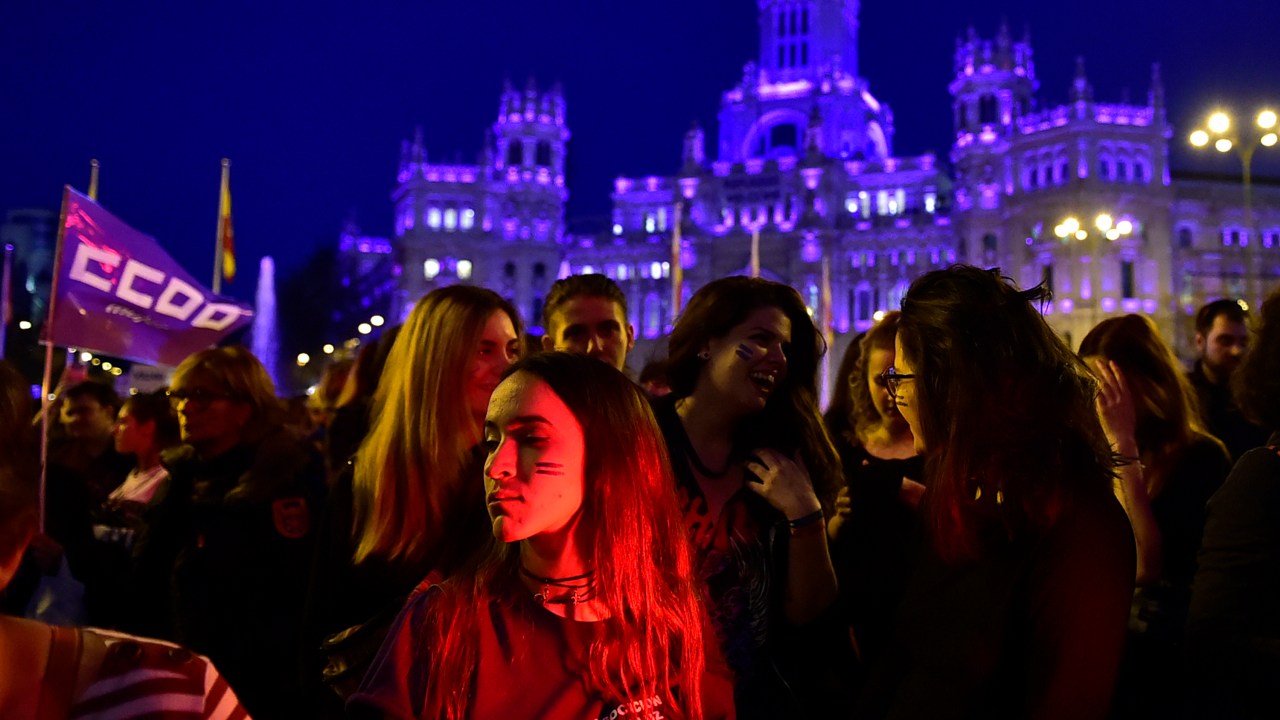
pixel 151 679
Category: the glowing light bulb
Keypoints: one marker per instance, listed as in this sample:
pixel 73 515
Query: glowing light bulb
pixel 1219 122
pixel 1266 119
pixel 1223 145
pixel 1103 222
pixel 1199 138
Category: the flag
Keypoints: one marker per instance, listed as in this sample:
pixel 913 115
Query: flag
pixel 226 233
pixel 118 293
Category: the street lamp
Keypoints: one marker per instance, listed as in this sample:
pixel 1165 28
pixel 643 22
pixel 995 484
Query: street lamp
pixel 1107 226
pixel 1245 138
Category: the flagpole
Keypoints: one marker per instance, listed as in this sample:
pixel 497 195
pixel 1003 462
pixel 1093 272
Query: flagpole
pixel 755 251
pixel 677 265
pixel 94 165
pixel 223 192
pixel 47 382
pixel 6 296
pixel 827 327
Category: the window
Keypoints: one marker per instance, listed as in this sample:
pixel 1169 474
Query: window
pixel 543 158
pixel 515 153
pixel 989 243
pixel 509 270
pixel 467 219
pixel 862 304
pixel 784 135
pixel 1126 279
pixel 450 219
pixel 987 110
pixel 650 223
pixel 433 218
pixel 1185 238
pixel 930 201
pixel 652 315
pixel 535 308
pixel 539 271
pixel 804 53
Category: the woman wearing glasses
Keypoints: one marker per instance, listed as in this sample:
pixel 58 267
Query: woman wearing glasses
pixel 875 513
pixel 758 476
pixel 233 533
pixel 1020 591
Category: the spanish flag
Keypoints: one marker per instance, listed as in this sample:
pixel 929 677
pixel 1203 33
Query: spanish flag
pixel 226 250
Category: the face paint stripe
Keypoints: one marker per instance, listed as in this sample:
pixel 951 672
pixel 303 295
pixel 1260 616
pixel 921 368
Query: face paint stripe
pixel 744 352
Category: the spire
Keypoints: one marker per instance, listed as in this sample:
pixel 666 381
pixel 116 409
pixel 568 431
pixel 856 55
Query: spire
pixel 417 153
pixel 1003 38
pixel 694 148
pixel 1155 96
pixel 1081 91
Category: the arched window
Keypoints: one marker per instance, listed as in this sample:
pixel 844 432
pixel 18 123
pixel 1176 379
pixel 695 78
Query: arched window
pixel 539 271
pixel 543 158
pixel 990 243
pixel 509 270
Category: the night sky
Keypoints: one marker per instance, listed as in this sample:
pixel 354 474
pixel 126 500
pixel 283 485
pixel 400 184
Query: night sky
pixel 311 100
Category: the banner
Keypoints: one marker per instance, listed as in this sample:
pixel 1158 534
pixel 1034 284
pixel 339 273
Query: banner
pixel 118 293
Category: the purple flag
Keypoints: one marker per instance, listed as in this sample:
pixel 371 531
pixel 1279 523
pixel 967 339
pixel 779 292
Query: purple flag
pixel 118 293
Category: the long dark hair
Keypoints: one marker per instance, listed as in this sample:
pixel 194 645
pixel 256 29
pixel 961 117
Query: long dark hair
pixel 651 637
pixel 1005 410
pixel 791 420
pixel 1167 418
pixel 1256 382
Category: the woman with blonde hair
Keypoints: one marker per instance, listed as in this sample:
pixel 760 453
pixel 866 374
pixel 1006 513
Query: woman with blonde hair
pixel 411 503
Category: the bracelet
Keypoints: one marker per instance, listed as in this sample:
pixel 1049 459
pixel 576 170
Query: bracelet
pixel 809 519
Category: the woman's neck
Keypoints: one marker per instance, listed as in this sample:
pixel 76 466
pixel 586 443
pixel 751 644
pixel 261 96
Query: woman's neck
pixel 553 555
pixel 888 442
pixel 709 429
pixel 149 459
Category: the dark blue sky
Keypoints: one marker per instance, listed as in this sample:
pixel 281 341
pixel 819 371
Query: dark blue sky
pixel 311 100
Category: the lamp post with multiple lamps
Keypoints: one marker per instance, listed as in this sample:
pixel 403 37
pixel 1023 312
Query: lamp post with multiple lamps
pixel 1226 135
pixel 1104 226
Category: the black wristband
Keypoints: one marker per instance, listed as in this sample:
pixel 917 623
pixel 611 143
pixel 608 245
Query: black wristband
pixel 809 519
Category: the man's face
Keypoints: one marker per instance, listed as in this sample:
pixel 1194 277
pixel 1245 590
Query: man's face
pixel 593 326
pixel 85 419
pixel 1221 349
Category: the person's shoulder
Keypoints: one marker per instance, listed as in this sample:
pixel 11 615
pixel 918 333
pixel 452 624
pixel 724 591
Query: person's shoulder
pixel 148 676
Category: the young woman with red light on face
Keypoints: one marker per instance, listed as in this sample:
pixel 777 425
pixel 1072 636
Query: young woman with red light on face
pixel 757 475
pixel 584 604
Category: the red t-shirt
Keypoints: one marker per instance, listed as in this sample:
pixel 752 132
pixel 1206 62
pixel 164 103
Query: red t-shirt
pixel 532 664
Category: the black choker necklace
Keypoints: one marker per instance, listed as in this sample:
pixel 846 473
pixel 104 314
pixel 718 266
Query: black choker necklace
pixel 580 587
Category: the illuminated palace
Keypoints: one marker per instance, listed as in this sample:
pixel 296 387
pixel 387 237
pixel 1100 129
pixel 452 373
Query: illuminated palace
pixel 1080 196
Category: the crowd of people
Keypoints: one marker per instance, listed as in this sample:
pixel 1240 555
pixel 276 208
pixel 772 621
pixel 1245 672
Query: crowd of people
pixel 468 523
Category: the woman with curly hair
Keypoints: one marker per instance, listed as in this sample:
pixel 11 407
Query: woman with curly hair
pixel 874 523
pixel 1020 590
pixel 584 604
pixel 758 476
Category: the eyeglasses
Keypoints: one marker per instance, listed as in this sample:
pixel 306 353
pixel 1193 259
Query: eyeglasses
pixel 891 380
pixel 199 396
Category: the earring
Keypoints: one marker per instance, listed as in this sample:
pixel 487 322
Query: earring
pixel 704 355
